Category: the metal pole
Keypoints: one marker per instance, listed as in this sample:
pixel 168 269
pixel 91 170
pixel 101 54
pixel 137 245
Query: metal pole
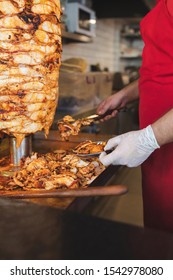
pixel 24 150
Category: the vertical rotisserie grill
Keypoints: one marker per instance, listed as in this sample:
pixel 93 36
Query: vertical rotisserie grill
pixel 30 50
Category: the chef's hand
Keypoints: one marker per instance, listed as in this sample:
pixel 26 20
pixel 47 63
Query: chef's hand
pixel 130 149
pixel 111 105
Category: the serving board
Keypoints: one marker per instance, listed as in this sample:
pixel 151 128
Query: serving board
pixel 89 191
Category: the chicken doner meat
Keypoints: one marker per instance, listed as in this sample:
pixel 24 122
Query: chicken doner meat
pixel 30 51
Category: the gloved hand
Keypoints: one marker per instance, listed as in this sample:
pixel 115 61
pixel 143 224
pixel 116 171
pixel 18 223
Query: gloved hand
pixel 130 149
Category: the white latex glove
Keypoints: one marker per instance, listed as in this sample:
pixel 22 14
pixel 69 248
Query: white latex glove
pixel 130 149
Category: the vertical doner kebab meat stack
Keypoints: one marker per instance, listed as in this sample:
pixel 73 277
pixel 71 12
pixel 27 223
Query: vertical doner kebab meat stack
pixel 30 48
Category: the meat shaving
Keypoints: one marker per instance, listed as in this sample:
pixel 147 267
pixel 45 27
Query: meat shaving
pixel 69 126
pixel 89 147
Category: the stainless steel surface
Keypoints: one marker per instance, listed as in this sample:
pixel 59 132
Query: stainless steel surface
pixel 16 153
pixel 75 37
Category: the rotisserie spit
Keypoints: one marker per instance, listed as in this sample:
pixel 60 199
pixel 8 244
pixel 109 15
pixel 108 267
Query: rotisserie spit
pixel 30 50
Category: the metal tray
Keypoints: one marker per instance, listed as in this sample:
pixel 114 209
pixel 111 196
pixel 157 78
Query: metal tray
pixel 52 143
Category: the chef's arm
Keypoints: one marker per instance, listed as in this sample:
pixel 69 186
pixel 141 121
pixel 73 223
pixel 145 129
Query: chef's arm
pixel 163 128
pixel 130 93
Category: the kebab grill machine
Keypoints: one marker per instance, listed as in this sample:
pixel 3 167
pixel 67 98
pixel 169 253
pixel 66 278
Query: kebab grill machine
pixel 30 43
pixel 30 53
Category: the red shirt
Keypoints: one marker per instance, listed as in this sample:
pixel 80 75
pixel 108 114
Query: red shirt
pixel 156 98
pixel 157 34
pixel 156 72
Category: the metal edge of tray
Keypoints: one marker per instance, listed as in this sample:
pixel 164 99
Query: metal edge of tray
pixel 79 204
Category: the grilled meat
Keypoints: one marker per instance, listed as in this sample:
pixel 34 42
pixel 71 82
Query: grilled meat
pixel 54 171
pixel 89 147
pixel 30 51
pixel 69 126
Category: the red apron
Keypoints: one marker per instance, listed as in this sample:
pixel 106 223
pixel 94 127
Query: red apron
pixel 156 98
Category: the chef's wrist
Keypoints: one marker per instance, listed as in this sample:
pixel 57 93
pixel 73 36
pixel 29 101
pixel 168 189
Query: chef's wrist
pixel 157 134
pixel 123 97
pixel 130 93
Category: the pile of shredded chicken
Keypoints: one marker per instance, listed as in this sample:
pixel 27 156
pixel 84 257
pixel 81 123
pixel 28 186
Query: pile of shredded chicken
pixel 30 50
pixel 54 171
pixel 90 147
pixel 69 126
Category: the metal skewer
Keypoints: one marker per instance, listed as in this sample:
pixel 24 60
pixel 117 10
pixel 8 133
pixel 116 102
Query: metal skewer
pixel 16 154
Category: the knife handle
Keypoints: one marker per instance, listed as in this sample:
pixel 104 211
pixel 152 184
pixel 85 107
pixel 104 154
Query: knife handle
pixel 109 112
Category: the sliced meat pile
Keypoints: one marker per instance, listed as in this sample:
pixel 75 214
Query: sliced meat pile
pixel 30 50
pixel 54 171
